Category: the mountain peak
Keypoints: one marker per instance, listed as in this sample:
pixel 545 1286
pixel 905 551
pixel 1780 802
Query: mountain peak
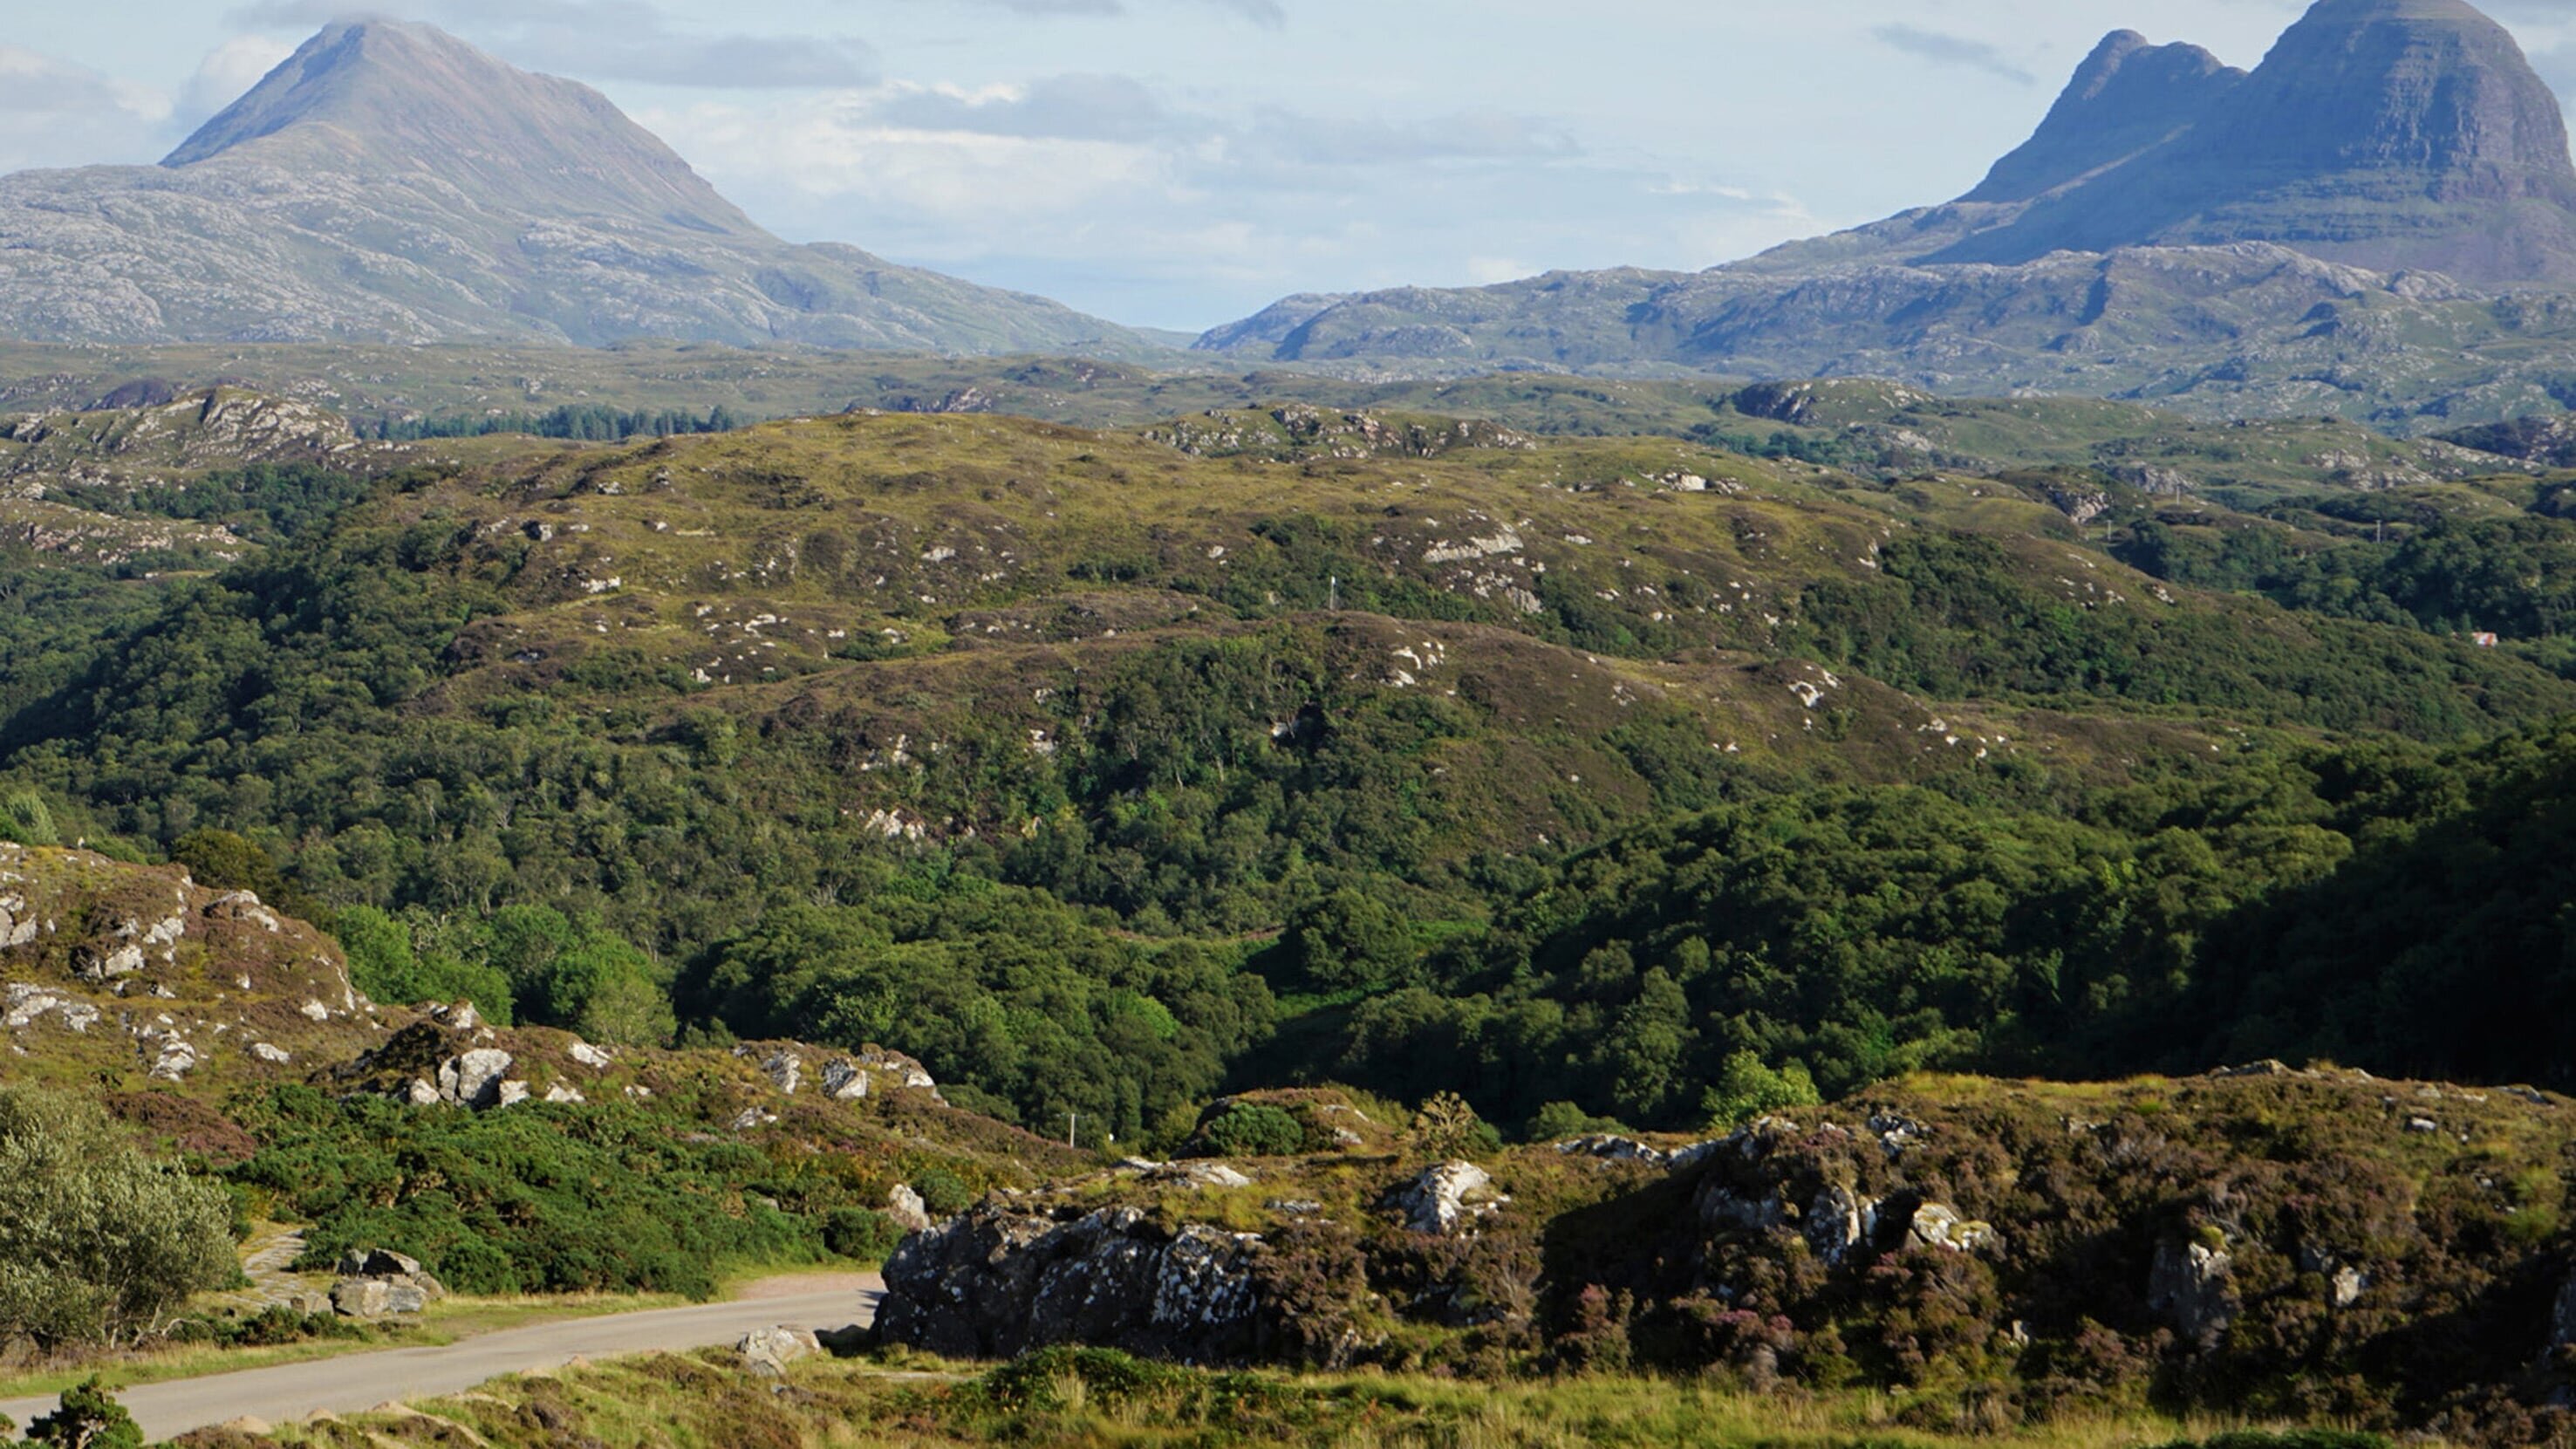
pixel 2431 93
pixel 2128 96
pixel 2389 134
pixel 374 97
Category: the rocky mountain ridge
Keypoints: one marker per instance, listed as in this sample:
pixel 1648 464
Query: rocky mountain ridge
pixel 389 183
pixel 2380 208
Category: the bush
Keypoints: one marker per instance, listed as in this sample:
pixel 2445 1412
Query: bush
pixel 1351 941
pixel 1254 1129
pixel 1447 1127
pixel 1558 1121
pixel 97 1243
pixel 604 1197
pixel 2289 1439
pixel 28 820
pixel 384 964
pixel 88 1418
pixel 862 1234
pixel 1747 1089
pixel 943 1193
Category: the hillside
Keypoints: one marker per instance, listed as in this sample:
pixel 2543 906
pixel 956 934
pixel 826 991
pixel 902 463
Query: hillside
pixel 1207 787
pixel 222 1028
pixel 388 183
pixel 1015 746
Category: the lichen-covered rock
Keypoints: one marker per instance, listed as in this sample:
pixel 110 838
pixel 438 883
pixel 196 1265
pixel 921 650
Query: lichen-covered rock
pixel 2189 1286
pixel 906 1210
pixel 768 1351
pixel 845 1080
pixel 996 1283
pixel 474 1079
pixel 1936 1226
pixel 1447 1197
pixel 1197 1175
pixel 785 1070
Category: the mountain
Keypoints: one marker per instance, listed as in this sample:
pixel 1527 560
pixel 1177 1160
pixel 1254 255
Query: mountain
pixel 2384 133
pixel 389 182
pixel 2128 97
pixel 2371 223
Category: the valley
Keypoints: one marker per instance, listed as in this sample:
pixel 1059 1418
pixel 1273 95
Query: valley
pixel 617 830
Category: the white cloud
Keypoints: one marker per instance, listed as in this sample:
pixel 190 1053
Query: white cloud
pixel 229 71
pixel 54 113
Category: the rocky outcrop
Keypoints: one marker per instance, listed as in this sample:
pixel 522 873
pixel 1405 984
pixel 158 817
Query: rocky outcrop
pixel 1448 1197
pixel 2190 1286
pixel 475 1079
pixel 374 1283
pixel 996 1283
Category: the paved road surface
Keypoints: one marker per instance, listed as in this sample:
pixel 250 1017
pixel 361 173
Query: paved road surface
pixel 361 1381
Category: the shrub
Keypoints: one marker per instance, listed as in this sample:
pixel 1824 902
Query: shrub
pixel 2288 1439
pixel 97 1243
pixel 1254 1129
pixel 88 1418
pixel 384 964
pixel 1350 941
pixel 1039 1381
pixel 28 820
pixel 1747 1089
pixel 1447 1127
pixel 604 1197
pixel 943 1193
pixel 863 1234
pixel 1558 1121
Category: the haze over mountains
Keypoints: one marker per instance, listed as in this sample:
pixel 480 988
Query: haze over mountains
pixel 2373 189
pixel 2378 222
pixel 391 183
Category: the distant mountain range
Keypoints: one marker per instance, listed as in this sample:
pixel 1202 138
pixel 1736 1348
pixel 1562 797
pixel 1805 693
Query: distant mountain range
pixel 2379 222
pixel 2384 209
pixel 391 183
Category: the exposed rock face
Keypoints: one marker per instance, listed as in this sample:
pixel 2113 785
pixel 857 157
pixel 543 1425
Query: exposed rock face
pixel 390 183
pixel 995 1283
pixel 2190 1287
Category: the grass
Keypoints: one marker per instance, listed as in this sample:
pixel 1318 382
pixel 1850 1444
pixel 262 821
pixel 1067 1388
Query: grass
pixel 1065 1398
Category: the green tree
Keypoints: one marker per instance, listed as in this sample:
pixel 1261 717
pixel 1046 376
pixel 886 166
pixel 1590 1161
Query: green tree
pixel 1646 1050
pixel 1351 940
pixel 98 1244
pixel 384 964
pixel 1748 1088
pixel 28 820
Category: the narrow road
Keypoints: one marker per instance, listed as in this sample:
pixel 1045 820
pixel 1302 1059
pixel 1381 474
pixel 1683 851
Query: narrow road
pixel 361 1381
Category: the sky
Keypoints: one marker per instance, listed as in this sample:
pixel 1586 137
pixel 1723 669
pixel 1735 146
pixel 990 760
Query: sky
pixel 1182 163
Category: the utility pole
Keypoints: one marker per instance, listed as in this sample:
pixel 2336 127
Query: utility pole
pixel 1071 1118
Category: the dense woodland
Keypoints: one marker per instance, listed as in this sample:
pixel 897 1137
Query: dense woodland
pixel 1205 897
